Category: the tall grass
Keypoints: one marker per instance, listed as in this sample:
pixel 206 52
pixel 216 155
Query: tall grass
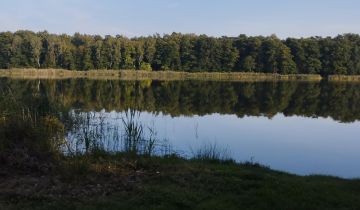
pixel 212 152
pixel 91 133
pixel 134 131
pixel 140 139
pixel 27 144
pixel 24 129
pixel 344 78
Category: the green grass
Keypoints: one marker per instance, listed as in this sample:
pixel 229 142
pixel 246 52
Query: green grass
pixel 175 183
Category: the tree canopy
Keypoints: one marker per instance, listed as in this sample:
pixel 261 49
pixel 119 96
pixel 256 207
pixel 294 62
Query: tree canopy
pixel 182 52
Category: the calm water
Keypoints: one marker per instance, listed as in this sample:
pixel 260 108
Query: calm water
pixel 298 127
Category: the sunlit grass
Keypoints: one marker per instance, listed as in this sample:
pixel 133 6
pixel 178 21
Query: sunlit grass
pixel 153 75
pixel 344 78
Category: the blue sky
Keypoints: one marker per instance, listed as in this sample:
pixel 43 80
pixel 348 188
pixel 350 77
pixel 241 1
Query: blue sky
pixel 286 18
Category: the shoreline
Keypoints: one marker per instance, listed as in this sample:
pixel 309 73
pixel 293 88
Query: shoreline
pixel 153 75
pixel 116 181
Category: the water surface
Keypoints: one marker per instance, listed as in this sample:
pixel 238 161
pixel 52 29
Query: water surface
pixel 299 127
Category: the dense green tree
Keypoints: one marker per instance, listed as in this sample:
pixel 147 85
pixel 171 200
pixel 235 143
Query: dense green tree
pixel 82 52
pixel 269 55
pixel 149 49
pixel 187 52
pixel 312 62
pixel 48 55
pixel 182 52
pixel 354 62
pixel 139 54
pixel 249 64
pixel 285 61
pixel 340 56
pixel 167 55
pixel 97 57
pixel 206 54
pixel 127 52
pixel 111 53
pixel 249 53
pixel 298 52
pixel 5 49
pixel 227 55
pixel 26 49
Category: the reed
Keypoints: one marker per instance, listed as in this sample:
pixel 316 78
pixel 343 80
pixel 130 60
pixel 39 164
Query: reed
pixel 212 152
pixel 344 78
pixel 153 75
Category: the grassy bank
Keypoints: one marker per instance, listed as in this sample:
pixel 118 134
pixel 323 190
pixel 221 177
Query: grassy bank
pixel 35 175
pixel 123 182
pixel 153 75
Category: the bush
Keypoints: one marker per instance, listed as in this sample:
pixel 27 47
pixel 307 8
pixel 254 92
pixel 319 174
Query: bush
pixel 146 67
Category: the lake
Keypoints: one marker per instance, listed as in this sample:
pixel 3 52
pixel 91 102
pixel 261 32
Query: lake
pixel 298 127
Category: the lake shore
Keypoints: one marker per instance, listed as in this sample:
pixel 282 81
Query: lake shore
pixel 152 75
pixel 39 170
pixel 123 182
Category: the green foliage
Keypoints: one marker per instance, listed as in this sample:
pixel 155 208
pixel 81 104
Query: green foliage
pixel 146 67
pixel 249 64
pixel 5 49
pixel 182 52
pixel 307 55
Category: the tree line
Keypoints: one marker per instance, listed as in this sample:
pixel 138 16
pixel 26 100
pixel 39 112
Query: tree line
pixel 182 52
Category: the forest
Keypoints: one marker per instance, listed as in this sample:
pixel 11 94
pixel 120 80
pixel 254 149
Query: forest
pixel 182 52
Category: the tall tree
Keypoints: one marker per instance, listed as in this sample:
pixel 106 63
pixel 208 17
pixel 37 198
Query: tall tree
pixel 5 49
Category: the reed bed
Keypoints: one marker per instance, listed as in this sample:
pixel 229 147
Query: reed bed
pixel 344 78
pixel 152 75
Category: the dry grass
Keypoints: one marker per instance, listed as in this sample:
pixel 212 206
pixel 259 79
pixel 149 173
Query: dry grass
pixel 344 78
pixel 153 75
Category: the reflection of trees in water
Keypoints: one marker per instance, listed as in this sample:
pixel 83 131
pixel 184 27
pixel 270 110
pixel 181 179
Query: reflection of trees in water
pixel 337 100
pixel 71 107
